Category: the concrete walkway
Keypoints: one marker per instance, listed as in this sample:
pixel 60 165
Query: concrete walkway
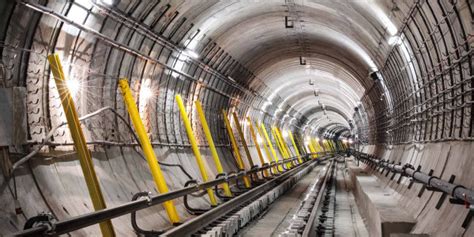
pixel 348 220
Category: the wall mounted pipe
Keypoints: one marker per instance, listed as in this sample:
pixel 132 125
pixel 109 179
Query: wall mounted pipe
pixel 82 221
pixel 457 191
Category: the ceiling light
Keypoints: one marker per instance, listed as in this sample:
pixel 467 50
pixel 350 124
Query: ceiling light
pixel 394 40
pixel 191 54
pixel 107 2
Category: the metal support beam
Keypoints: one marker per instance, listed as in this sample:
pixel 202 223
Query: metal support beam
pixel 194 147
pixel 212 147
pixel 242 139
pixel 235 147
pixel 270 145
pixel 296 148
pixel 148 151
pixel 85 158
pixel 257 146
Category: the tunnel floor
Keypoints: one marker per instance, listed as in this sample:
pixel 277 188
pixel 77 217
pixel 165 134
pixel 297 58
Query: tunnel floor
pixel 278 217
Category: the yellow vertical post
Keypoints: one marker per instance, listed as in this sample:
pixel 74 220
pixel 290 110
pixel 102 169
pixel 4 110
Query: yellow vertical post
pixel 294 145
pixel 314 144
pixel 148 151
pixel 194 147
pixel 257 146
pixel 283 143
pixel 269 142
pixel 235 147
pixel 212 147
pixel 85 158
pixel 311 148
pixel 280 146
pixel 242 138
pixel 265 146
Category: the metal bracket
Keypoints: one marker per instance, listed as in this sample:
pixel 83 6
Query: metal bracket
pixel 412 180
pixel 288 23
pixel 43 219
pixel 133 216
pixel 191 210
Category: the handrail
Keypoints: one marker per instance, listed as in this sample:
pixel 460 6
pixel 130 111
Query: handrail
pixel 79 222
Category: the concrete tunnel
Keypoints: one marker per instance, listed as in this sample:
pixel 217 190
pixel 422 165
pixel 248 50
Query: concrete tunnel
pixel 344 118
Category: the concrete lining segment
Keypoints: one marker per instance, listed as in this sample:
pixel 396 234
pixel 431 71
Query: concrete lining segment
pixel 378 205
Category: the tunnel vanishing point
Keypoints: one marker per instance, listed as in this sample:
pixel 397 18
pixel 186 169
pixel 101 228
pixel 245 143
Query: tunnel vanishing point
pixel 236 118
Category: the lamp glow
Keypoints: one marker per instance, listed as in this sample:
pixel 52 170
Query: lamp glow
pixel 73 85
pixel 146 93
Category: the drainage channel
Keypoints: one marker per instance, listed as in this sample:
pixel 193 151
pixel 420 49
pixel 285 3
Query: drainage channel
pixel 232 216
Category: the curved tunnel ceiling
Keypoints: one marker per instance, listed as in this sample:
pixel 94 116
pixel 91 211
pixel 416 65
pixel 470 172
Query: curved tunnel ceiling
pixel 338 50
pixel 384 73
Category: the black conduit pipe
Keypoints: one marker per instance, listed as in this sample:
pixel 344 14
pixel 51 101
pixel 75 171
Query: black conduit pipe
pixel 459 192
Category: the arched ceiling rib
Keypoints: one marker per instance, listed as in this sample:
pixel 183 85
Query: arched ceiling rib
pixel 336 39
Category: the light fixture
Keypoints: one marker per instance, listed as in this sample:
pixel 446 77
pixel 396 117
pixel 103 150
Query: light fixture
pixel 73 85
pixel 191 54
pixel 146 93
pixel 107 2
pixel 393 40
pixel 285 134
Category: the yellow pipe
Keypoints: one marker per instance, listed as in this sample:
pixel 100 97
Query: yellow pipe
pixel 283 143
pixel 212 147
pixel 269 142
pixel 279 145
pixel 85 158
pixel 148 151
pixel 242 139
pixel 311 148
pixel 313 144
pixel 257 146
pixel 265 146
pixel 235 147
pixel 194 147
pixel 296 148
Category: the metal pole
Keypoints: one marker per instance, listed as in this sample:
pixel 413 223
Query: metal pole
pixel 266 147
pixel 257 146
pixel 280 145
pixel 194 147
pixel 235 147
pixel 212 147
pixel 148 151
pixel 85 158
pixel 270 145
pixel 296 148
pixel 242 138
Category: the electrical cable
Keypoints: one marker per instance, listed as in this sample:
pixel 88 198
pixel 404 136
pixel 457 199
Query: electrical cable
pixel 85 117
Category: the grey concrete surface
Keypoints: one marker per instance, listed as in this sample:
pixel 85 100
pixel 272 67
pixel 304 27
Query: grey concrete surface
pixel 348 221
pixel 378 205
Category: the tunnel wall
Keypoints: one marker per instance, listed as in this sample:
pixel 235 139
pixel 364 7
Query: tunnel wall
pixel 445 159
pixel 56 184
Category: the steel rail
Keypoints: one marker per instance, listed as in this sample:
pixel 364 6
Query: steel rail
pixel 196 224
pixel 457 191
pixel 79 222
pixel 309 228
